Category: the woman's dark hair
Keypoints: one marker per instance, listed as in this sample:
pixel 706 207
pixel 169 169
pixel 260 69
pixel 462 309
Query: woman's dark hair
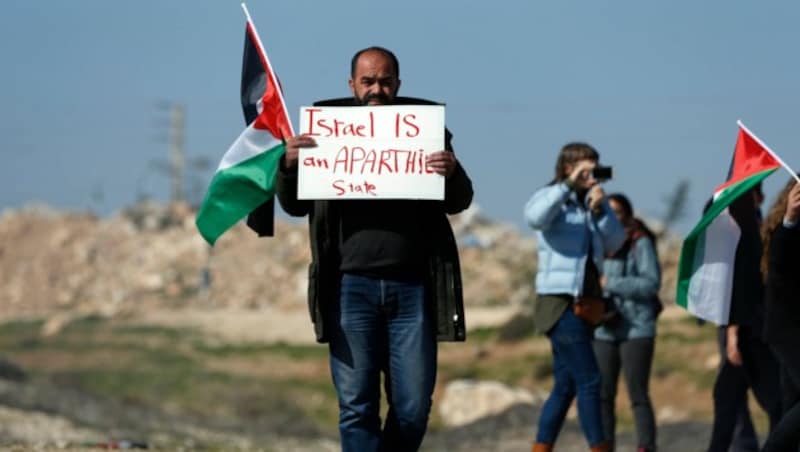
pixel 571 153
pixel 642 226
pixel 744 212
pixel 639 226
pixel 623 202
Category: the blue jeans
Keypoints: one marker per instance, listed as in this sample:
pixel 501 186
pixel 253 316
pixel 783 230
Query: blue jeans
pixel 383 326
pixel 575 372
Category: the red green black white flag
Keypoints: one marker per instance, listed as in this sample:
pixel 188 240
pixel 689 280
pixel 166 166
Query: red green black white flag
pixel 245 178
pixel 705 269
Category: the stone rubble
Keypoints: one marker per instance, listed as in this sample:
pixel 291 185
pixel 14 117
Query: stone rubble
pixel 465 401
pixel 62 265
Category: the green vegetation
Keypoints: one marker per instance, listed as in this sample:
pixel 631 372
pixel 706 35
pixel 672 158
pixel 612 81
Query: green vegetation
pixel 175 371
pixel 279 387
pixel 482 335
pixel 253 350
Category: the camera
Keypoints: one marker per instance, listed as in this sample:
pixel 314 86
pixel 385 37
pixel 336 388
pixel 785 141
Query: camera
pixel 602 173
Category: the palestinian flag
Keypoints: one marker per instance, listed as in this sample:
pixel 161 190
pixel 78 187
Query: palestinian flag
pixel 245 178
pixel 705 270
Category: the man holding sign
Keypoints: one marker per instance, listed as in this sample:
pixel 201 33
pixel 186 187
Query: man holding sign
pixel 384 281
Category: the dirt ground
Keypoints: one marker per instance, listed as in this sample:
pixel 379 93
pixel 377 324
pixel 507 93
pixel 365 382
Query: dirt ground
pixel 686 359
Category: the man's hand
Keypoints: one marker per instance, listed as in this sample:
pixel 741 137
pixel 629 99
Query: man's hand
pixel 442 162
pixel 293 146
pixel 596 196
pixel 793 205
pixel 732 345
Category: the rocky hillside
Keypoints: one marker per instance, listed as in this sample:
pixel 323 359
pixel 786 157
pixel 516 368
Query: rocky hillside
pixel 131 327
pixel 151 255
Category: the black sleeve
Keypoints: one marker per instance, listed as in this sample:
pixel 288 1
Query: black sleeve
pixel 458 187
pixel 262 220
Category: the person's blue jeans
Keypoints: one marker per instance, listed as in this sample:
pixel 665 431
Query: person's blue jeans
pixel 575 372
pixel 383 326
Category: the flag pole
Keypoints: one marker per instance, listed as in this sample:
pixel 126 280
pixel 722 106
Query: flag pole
pixel 771 152
pixel 269 65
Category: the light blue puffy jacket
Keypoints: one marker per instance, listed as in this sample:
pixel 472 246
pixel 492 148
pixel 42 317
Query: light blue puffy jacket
pixel 563 230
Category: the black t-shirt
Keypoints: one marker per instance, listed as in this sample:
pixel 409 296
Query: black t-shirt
pixel 591 279
pixel 383 238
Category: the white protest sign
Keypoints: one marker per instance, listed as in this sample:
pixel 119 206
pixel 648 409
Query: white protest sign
pixel 371 152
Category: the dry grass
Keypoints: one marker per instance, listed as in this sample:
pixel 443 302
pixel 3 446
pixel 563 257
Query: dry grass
pixel 184 372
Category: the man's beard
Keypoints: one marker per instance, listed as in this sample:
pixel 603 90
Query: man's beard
pixel 380 97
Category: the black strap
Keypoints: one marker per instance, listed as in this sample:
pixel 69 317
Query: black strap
pixel 591 278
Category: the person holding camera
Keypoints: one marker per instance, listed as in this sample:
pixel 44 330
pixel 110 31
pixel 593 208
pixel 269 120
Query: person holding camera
pixel 631 279
pixel 575 228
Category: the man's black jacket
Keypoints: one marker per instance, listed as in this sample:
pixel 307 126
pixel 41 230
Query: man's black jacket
pixel 443 279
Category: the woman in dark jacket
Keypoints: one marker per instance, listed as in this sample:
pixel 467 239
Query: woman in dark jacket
pixel 782 325
pixel 746 354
